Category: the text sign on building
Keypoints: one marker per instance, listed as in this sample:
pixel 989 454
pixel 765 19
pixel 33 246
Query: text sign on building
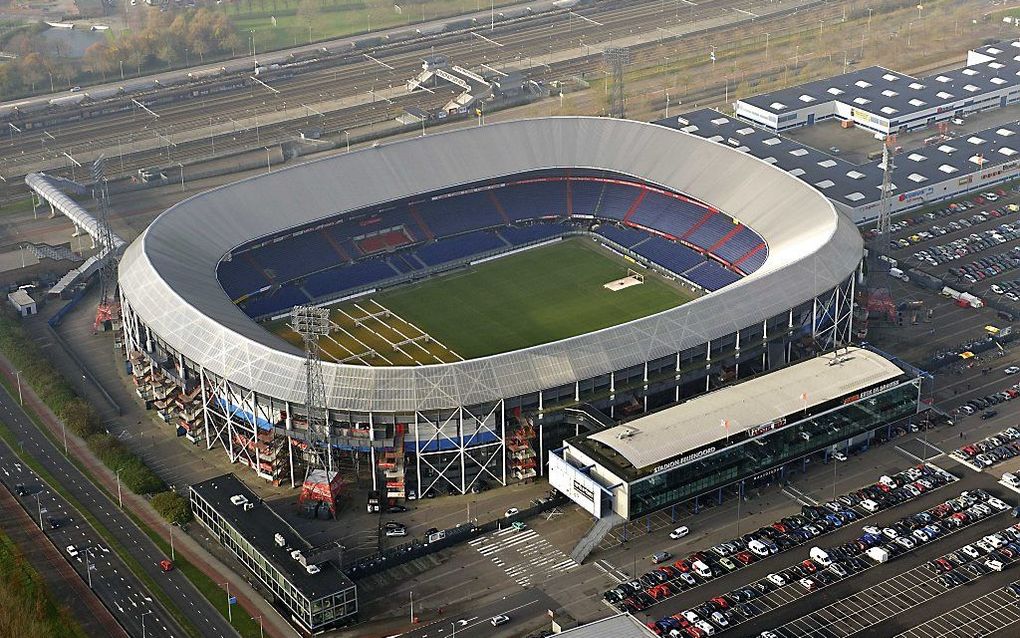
pixel 578 487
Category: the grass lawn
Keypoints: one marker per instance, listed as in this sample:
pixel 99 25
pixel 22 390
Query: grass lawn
pixel 337 18
pixel 27 609
pixel 541 295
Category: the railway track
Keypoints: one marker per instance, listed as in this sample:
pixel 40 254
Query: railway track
pixel 356 78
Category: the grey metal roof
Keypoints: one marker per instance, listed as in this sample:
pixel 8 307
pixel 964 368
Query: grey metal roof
pixel 168 274
pixel 855 185
pixel 618 626
pixel 896 96
pixel 663 435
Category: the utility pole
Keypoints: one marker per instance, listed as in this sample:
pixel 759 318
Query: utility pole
pixel 616 59
pixel 312 324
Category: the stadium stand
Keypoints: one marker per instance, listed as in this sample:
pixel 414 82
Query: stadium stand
pixel 753 259
pixel 459 214
pixel 709 230
pixel 585 196
pixel 711 276
pixel 532 200
pixel 238 277
pixel 522 235
pixel 356 275
pixel 736 246
pixel 280 300
pixel 459 247
pixel 344 257
pixel 626 237
pixel 666 214
pixel 277 258
pixel 672 256
pixel 383 241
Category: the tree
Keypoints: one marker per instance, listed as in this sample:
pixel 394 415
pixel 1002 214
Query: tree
pixel 309 12
pixel 32 67
pixel 98 57
pixel 172 506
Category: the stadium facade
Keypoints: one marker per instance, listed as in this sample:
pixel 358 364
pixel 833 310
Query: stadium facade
pixel 224 380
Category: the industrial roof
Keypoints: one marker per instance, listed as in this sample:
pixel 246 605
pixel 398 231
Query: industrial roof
pixel 168 274
pixel 896 96
pixel 855 185
pixel 259 525
pixel 661 436
pixel 618 626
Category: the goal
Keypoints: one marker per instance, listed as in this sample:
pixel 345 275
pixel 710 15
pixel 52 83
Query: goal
pixel 633 278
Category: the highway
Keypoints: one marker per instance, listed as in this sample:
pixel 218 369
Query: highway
pixel 121 592
pixel 358 90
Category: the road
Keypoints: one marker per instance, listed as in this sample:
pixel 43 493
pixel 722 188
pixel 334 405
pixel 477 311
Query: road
pixel 526 609
pixel 123 594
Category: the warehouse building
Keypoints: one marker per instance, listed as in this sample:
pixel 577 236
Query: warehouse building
pixel 945 170
pixel 745 433
pixel 307 584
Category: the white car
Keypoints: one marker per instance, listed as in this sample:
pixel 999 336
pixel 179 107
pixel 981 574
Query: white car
pixel 501 619
pixel 719 619
pixel 679 532
pixel 777 579
pixel 997 504
pixel 994 565
pixel 906 542
pixel 871 529
pixel 890 533
pixel 1012 369
pixel 970 551
pixel 71 551
pixel 839 456
pixel 513 511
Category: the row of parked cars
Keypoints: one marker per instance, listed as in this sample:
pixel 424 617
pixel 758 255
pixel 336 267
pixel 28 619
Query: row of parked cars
pixel 1008 289
pixel 918 219
pixel 667 580
pixel 826 566
pixel 969 245
pixel 994 552
pixel 990 401
pixel 990 266
pixel 994 449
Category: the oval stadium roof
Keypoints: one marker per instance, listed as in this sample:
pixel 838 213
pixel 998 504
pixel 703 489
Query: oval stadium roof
pixel 168 274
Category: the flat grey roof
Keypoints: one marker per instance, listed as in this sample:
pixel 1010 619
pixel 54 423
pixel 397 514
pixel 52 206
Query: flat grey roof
pixel 619 626
pixel 168 274
pixel 663 435
pixel 259 525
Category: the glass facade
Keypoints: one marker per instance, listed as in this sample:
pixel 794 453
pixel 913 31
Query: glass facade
pixel 802 436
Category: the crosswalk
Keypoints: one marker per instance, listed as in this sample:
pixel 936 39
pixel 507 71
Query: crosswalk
pixel 523 555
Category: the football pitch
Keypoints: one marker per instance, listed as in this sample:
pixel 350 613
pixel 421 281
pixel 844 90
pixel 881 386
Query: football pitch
pixel 537 296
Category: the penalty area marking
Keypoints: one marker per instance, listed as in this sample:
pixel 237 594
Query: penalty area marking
pixel 633 278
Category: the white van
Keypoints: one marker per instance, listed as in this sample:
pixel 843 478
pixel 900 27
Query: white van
pixel 869 505
pixel 1011 479
pixel 820 556
pixel 679 532
pixel 758 548
pixel 888 481
pixel 702 569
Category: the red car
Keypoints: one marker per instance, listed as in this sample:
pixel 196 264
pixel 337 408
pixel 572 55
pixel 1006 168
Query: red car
pixel 943 565
pixel 683 565
pixel 810 566
pixel 166 565
pixel 745 558
pixel 719 600
pixel 779 527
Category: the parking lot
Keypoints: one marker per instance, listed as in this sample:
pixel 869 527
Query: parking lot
pixel 989 613
pixel 871 606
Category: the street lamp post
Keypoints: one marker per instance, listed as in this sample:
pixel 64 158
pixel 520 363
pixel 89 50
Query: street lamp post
pixel 230 611
pixel 269 166
pixel 38 505
pixel 88 567
pixel 17 374
pixel 120 499
pixel 181 164
pixel 121 69
pixel 144 614
pixel 172 556
pixel 766 46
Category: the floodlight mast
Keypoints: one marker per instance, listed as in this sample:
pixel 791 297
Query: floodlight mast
pixel 312 323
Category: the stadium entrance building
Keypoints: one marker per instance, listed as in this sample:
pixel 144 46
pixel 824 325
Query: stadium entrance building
pixel 749 432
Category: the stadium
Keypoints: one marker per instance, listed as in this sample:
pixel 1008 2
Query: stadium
pixel 484 286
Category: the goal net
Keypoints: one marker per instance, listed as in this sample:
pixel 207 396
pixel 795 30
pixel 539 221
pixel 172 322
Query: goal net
pixel 633 278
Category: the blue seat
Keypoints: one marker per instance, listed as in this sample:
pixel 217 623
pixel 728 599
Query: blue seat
pixel 616 201
pixel 711 276
pixel 453 215
pixel 460 247
pixel 754 261
pixel 738 245
pixel 277 302
pixel 519 236
pixel 533 200
pixel 672 256
pixel 585 196
pixel 626 237
pixel 711 231
pixel 356 275
pixel 278 258
pixel 238 277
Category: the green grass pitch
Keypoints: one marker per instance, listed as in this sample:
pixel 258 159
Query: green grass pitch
pixel 529 298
